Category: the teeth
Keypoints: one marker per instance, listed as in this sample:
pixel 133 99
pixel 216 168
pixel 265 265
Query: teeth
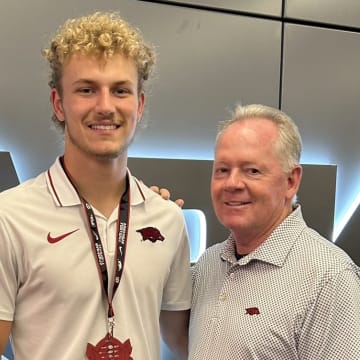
pixel 235 203
pixel 103 127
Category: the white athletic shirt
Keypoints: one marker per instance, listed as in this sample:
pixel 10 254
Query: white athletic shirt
pixel 52 290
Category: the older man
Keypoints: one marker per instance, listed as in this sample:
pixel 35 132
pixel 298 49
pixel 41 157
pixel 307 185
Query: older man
pixel 275 289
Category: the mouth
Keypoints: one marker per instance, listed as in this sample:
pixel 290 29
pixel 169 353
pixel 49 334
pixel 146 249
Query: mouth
pixel 104 127
pixel 236 203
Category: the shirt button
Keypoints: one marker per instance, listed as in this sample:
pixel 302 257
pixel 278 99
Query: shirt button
pixel 222 297
pixel 232 275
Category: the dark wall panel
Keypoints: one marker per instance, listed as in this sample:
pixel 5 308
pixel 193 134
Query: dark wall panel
pixel 321 87
pixel 8 176
pixel 349 238
pixel 190 180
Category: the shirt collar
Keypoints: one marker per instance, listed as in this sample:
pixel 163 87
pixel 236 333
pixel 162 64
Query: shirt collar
pixel 64 194
pixel 276 247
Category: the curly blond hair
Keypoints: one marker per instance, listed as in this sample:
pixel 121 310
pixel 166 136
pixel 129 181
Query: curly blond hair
pixel 102 34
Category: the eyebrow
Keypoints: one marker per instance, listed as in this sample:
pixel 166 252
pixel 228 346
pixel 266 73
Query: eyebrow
pixel 94 82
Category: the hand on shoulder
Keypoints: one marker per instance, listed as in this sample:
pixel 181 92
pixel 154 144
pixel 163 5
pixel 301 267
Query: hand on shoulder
pixel 165 194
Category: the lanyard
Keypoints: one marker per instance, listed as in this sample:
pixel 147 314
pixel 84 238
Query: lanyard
pixel 98 250
pixel 122 234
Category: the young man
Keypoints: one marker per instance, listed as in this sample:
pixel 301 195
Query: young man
pixel 275 289
pixel 90 258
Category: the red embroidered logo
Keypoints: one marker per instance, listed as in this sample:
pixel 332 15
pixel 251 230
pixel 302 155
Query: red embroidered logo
pixel 53 240
pixel 150 233
pixel 252 311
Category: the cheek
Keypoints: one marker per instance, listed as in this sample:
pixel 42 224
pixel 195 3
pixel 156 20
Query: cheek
pixel 216 197
pixel 277 195
pixel 77 107
pixel 214 189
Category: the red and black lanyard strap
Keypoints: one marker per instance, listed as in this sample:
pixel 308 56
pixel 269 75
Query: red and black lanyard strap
pixel 121 239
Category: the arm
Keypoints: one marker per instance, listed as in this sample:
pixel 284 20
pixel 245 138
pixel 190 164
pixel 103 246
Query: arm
pixel 174 327
pixel 331 329
pixel 5 327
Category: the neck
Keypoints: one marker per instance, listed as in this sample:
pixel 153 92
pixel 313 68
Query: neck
pixel 100 181
pixel 247 240
pixel 246 246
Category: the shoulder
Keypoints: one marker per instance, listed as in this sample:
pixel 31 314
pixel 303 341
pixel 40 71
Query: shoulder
pixel 23 190
pixel 322 255
pixel 142 194
pixel 23 195
pixel 209 261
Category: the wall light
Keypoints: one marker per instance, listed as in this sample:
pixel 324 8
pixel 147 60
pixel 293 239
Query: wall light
pixel 196 227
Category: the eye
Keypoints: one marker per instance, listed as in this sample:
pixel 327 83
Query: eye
pixel 121 91
pixel 253 171
pixel 220 171
pixel 85 90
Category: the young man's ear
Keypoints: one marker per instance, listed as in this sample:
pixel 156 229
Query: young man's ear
pixel 57 104
pixel 141 106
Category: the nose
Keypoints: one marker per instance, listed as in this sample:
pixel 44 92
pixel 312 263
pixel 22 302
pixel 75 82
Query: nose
pixel 104 103
pixel 235 180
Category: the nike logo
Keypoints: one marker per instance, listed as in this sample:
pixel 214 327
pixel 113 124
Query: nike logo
pixel 53 240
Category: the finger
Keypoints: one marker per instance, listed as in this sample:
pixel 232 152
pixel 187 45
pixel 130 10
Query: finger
pixel 165 194
pixel 155 189
pixel 179 202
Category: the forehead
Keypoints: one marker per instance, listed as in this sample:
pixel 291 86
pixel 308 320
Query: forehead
pixel 91 61
pixel 252 141
pixel 249 132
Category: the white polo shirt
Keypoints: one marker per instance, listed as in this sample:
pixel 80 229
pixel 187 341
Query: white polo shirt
pixel 295 297
pixel 51 290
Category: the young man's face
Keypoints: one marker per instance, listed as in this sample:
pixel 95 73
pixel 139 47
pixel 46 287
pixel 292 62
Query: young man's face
pixel 251 193
pixel 99 104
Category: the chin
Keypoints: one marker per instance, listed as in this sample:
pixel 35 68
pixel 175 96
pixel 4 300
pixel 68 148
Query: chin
pixel 107 156
pixel 235 225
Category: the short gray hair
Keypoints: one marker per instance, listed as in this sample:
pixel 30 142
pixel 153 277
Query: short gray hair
pixel 289 144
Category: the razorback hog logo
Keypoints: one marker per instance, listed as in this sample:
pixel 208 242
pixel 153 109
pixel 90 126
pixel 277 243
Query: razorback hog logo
pixel 252 311
pixel 150 233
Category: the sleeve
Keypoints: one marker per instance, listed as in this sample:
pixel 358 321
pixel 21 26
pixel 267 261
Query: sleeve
pixel 8 275
pixel 177 293
pixel 331 329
